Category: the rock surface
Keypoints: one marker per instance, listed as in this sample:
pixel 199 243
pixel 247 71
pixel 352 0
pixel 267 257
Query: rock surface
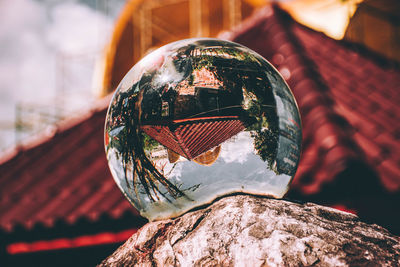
pixel 245 230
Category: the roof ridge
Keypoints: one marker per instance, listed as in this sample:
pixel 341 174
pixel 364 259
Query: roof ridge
pixel 311 73
pixel 284 20
pixel 257 17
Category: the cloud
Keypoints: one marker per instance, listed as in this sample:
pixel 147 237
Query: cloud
pixel 48 46
pixel 75 28
pixel 238 149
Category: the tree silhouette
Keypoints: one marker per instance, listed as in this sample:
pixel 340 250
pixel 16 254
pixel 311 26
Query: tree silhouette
pixel 130 143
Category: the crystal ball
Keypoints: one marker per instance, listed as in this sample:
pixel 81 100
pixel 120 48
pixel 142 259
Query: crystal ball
pixel 199 119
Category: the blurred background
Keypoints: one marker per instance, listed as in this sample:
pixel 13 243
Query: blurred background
pixel 49 52
pixel 61 60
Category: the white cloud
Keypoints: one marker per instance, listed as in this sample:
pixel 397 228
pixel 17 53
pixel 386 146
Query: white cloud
pixel 48 46
pixel 238 149
pixel 76 28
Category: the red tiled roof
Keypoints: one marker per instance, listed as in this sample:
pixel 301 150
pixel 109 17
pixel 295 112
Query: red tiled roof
pixel 350 114
pixel 348 101
pixel 191 138
pixel 64 177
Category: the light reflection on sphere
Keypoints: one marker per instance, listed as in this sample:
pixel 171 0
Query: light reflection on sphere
pixel 198 119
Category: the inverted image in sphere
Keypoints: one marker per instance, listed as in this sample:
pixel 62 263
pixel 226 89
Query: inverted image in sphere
pixel 198 119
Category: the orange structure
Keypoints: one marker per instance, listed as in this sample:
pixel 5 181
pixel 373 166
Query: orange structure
pixel 145 25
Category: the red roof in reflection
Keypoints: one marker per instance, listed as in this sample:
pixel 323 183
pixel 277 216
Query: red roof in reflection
pixel 348 99
pixel 192 137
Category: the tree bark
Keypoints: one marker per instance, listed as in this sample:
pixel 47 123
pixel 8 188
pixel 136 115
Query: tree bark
pixel 244 230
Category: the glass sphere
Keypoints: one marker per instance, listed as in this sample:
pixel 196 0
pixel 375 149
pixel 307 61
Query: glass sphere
pixel 199 119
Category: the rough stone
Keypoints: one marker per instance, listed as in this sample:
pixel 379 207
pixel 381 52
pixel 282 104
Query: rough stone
pixel 244 230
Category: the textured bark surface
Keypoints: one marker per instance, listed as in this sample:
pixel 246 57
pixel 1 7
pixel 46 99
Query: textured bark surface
pixel 247 230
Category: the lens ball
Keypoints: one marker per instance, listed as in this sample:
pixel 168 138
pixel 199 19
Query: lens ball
pixel 200 119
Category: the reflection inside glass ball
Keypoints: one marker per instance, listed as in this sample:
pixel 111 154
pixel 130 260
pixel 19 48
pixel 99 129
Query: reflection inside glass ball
pixel 199 119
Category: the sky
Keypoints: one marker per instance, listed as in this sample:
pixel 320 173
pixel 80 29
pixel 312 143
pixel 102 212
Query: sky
pixel 48 52
pixel 328 16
